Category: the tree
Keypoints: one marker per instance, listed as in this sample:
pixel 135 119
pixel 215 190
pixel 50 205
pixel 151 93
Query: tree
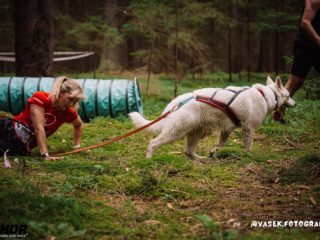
pixel 171 30
pixel 34 29
pixel 114 51
pixel 189 49
pixel 148 21
pixel 279 20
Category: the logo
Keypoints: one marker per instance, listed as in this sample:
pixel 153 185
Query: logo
pixel 13 231
pixel 50 119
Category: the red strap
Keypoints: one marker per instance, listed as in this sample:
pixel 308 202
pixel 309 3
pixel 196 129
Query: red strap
pixel 262 93
pixel 222 106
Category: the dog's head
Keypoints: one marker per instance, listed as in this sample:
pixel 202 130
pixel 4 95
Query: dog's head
pixel 282 95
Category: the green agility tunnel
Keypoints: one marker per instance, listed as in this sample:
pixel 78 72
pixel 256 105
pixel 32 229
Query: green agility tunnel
pixel 104 97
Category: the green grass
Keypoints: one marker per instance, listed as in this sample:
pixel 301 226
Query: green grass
pixel 114 192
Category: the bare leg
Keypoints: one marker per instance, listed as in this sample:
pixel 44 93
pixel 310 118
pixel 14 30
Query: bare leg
pixel 222 139
pixel 294 83
pixel 248 137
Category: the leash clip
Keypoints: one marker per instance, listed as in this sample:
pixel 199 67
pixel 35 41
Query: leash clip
pixel 175 108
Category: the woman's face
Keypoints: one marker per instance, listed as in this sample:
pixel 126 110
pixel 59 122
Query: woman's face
pixel 65 101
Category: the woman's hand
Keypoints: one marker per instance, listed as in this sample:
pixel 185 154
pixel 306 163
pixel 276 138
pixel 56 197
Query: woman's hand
pixel 53 158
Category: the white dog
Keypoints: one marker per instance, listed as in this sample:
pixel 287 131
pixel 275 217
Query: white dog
pixel 232 107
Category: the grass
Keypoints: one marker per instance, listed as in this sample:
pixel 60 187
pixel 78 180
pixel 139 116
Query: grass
pixel 114 192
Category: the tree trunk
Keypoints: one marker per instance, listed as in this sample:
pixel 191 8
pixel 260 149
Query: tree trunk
pixel 276 41
pixel 248 42
pixel 176 60
pixel 34 37
pixel 149 68
pixel 282 41
pixel 230 45
pixel 261 56
pixel 114 55
pixel 212 43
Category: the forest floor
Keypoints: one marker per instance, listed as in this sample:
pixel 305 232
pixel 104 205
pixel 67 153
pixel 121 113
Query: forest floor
pixel 114 192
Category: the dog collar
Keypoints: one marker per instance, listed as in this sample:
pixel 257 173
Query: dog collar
pixel 262 93
pixel 276 98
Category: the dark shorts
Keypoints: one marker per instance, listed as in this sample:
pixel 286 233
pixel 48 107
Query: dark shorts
pixel 9 140
pixel 305 57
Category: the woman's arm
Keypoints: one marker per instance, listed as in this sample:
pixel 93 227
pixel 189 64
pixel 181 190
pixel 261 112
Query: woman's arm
pixel 77 132
pixel 38 121
pixel 310 10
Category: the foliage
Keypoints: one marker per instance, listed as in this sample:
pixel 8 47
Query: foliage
pixel 5 24
pixel 278 17
pixel 312 86
pixel 157 23
pixel 172 33
pixel 146 33
pixel 90 34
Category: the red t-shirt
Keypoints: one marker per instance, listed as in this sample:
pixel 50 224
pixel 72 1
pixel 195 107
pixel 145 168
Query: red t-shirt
pixel 53 118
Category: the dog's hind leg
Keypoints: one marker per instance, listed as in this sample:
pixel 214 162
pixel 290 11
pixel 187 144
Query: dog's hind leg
pixel 222 139
pixel 163 138
pixel 192 140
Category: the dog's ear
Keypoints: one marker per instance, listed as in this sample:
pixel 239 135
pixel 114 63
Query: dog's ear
pixel 279 82
pixel 269 80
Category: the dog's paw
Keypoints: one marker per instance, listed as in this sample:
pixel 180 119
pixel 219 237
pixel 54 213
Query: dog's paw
pixel 213 154
pixel 205 160
pixel 148 155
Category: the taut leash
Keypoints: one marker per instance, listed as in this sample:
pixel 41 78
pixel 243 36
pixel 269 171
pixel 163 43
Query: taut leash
pixel 175 108
pixel 119 137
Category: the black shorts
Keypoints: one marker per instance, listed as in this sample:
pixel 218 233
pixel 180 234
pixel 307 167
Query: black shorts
pixel 305 57
pixel 9 139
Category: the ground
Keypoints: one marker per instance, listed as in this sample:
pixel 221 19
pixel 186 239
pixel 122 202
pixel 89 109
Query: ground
pixel 114 192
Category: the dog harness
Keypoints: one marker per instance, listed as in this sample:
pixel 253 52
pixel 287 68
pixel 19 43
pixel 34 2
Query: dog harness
pixel 226 106
pixel 223 106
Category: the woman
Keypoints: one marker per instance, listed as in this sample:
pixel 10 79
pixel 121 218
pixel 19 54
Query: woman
pixel 306 50
pixel 43 115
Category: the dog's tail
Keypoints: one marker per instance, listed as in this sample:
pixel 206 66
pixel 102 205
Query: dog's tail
pixel 140 121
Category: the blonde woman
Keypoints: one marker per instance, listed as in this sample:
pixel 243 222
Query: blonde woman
pixel 43 115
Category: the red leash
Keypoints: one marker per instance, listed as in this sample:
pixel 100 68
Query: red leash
pixel 119 137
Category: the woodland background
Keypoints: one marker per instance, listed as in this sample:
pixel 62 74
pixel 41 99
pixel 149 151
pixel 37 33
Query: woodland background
pixel 176 36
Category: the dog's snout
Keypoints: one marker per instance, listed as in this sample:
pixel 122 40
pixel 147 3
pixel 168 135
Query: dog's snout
pixel 290 103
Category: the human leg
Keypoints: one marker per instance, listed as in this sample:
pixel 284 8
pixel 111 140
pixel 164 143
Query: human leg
pixel 303 60
pixel 294 83
pixel 9 140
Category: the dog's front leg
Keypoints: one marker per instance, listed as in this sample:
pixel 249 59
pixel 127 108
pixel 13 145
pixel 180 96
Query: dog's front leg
pixel 248 138
pixel 222 139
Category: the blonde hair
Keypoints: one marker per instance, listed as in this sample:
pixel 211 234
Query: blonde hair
pixel 64 85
